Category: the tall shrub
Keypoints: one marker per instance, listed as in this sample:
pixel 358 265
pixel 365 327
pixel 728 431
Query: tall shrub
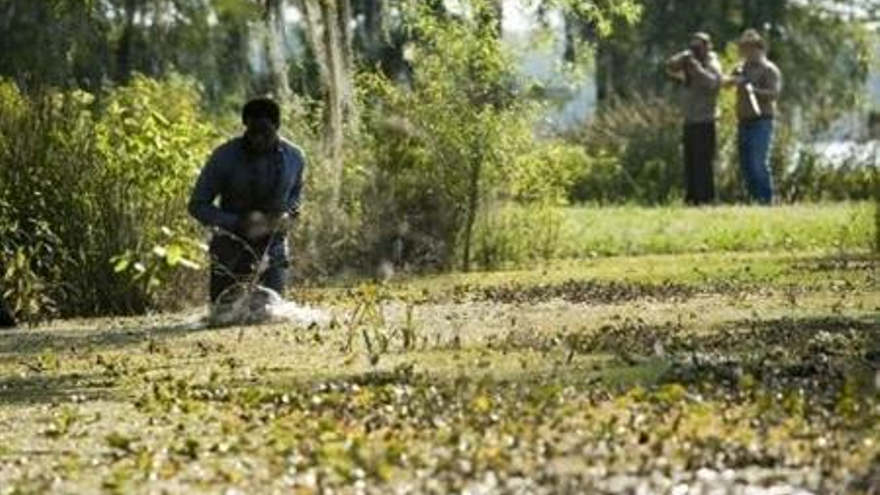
pixel 93 194
pixel 635 153
pixel 453 141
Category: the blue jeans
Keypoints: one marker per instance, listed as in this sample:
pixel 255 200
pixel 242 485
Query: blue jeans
pixel 755 137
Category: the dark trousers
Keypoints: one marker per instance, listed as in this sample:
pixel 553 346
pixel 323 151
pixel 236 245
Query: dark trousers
pixel 6 318
pixel 700 146
pixel 234 264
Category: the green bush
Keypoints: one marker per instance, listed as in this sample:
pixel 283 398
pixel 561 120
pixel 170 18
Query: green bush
pixel 151 141
pixel 813 179
pixel 331 236
pixel 634 154
pixel 511 235
pixel 93 196
pixel 450 145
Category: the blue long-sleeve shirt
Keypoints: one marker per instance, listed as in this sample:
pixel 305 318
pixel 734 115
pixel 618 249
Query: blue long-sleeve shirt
pixel 270 184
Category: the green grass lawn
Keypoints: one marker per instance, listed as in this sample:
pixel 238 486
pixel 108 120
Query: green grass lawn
pixel 517 237
pixel 747 364
pixel 788 228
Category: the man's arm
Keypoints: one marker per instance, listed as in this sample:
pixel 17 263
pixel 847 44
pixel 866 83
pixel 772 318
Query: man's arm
pixel 206 190
pixel 675 66
pixel 708 77
pixel 295 197
pixel 734 79
pixel 284 220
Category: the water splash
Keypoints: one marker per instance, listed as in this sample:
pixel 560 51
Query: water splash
pixel 262 305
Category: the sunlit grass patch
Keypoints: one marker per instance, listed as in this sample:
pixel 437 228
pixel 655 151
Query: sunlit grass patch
pixel 584 232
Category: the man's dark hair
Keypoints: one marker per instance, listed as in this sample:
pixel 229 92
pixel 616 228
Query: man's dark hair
pixel 261 107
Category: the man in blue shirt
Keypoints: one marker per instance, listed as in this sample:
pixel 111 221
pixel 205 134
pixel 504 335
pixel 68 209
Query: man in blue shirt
pixel 249 194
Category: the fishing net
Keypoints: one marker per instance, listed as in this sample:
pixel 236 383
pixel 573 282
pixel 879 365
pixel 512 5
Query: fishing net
pixel 259 305
pixel 246 302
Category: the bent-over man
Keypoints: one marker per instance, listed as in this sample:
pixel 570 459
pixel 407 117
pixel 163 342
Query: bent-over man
pixel 257 179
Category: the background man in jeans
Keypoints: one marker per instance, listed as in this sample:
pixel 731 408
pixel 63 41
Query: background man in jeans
pixel 699 70
pixel 758 82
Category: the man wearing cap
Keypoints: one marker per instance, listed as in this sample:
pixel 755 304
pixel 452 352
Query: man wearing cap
pixel 258 178
pixel 759 83
pixel 699 71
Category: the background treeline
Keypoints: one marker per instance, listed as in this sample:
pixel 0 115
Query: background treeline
pixel 420 130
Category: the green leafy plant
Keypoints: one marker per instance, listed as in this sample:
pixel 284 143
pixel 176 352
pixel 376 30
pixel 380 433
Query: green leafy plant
pixel 114 230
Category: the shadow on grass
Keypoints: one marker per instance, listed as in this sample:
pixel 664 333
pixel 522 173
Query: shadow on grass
pixel 36 388
pixel 33 341
pixel 840 262
pixel 35 354
pixel 789 332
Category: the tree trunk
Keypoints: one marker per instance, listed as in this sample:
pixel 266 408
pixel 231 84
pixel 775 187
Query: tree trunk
pixel 373 35
pixel 328 32
pixel 232 56
pixel 473 204
pixel 569 53
pixel 334 114
pixel 604 73
pixel 126 42
pixel 346 47
pixel 7 320
pixel 276 59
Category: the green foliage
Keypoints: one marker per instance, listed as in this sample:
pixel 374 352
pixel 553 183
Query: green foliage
pixel 635 148
pixel 151 141
pixel 86 43
pixel 545 172
pixel 329 236
pixel 812 179
pixel 118 172
pixel 456 140
pixel 453 119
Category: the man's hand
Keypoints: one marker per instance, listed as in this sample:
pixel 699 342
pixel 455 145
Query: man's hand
pixel 677 62
pixel 284 221
pixel 734 81
pixel 255 226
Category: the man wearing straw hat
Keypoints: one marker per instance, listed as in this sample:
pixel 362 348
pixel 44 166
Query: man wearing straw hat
pixel 759 83
pixel 699 71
